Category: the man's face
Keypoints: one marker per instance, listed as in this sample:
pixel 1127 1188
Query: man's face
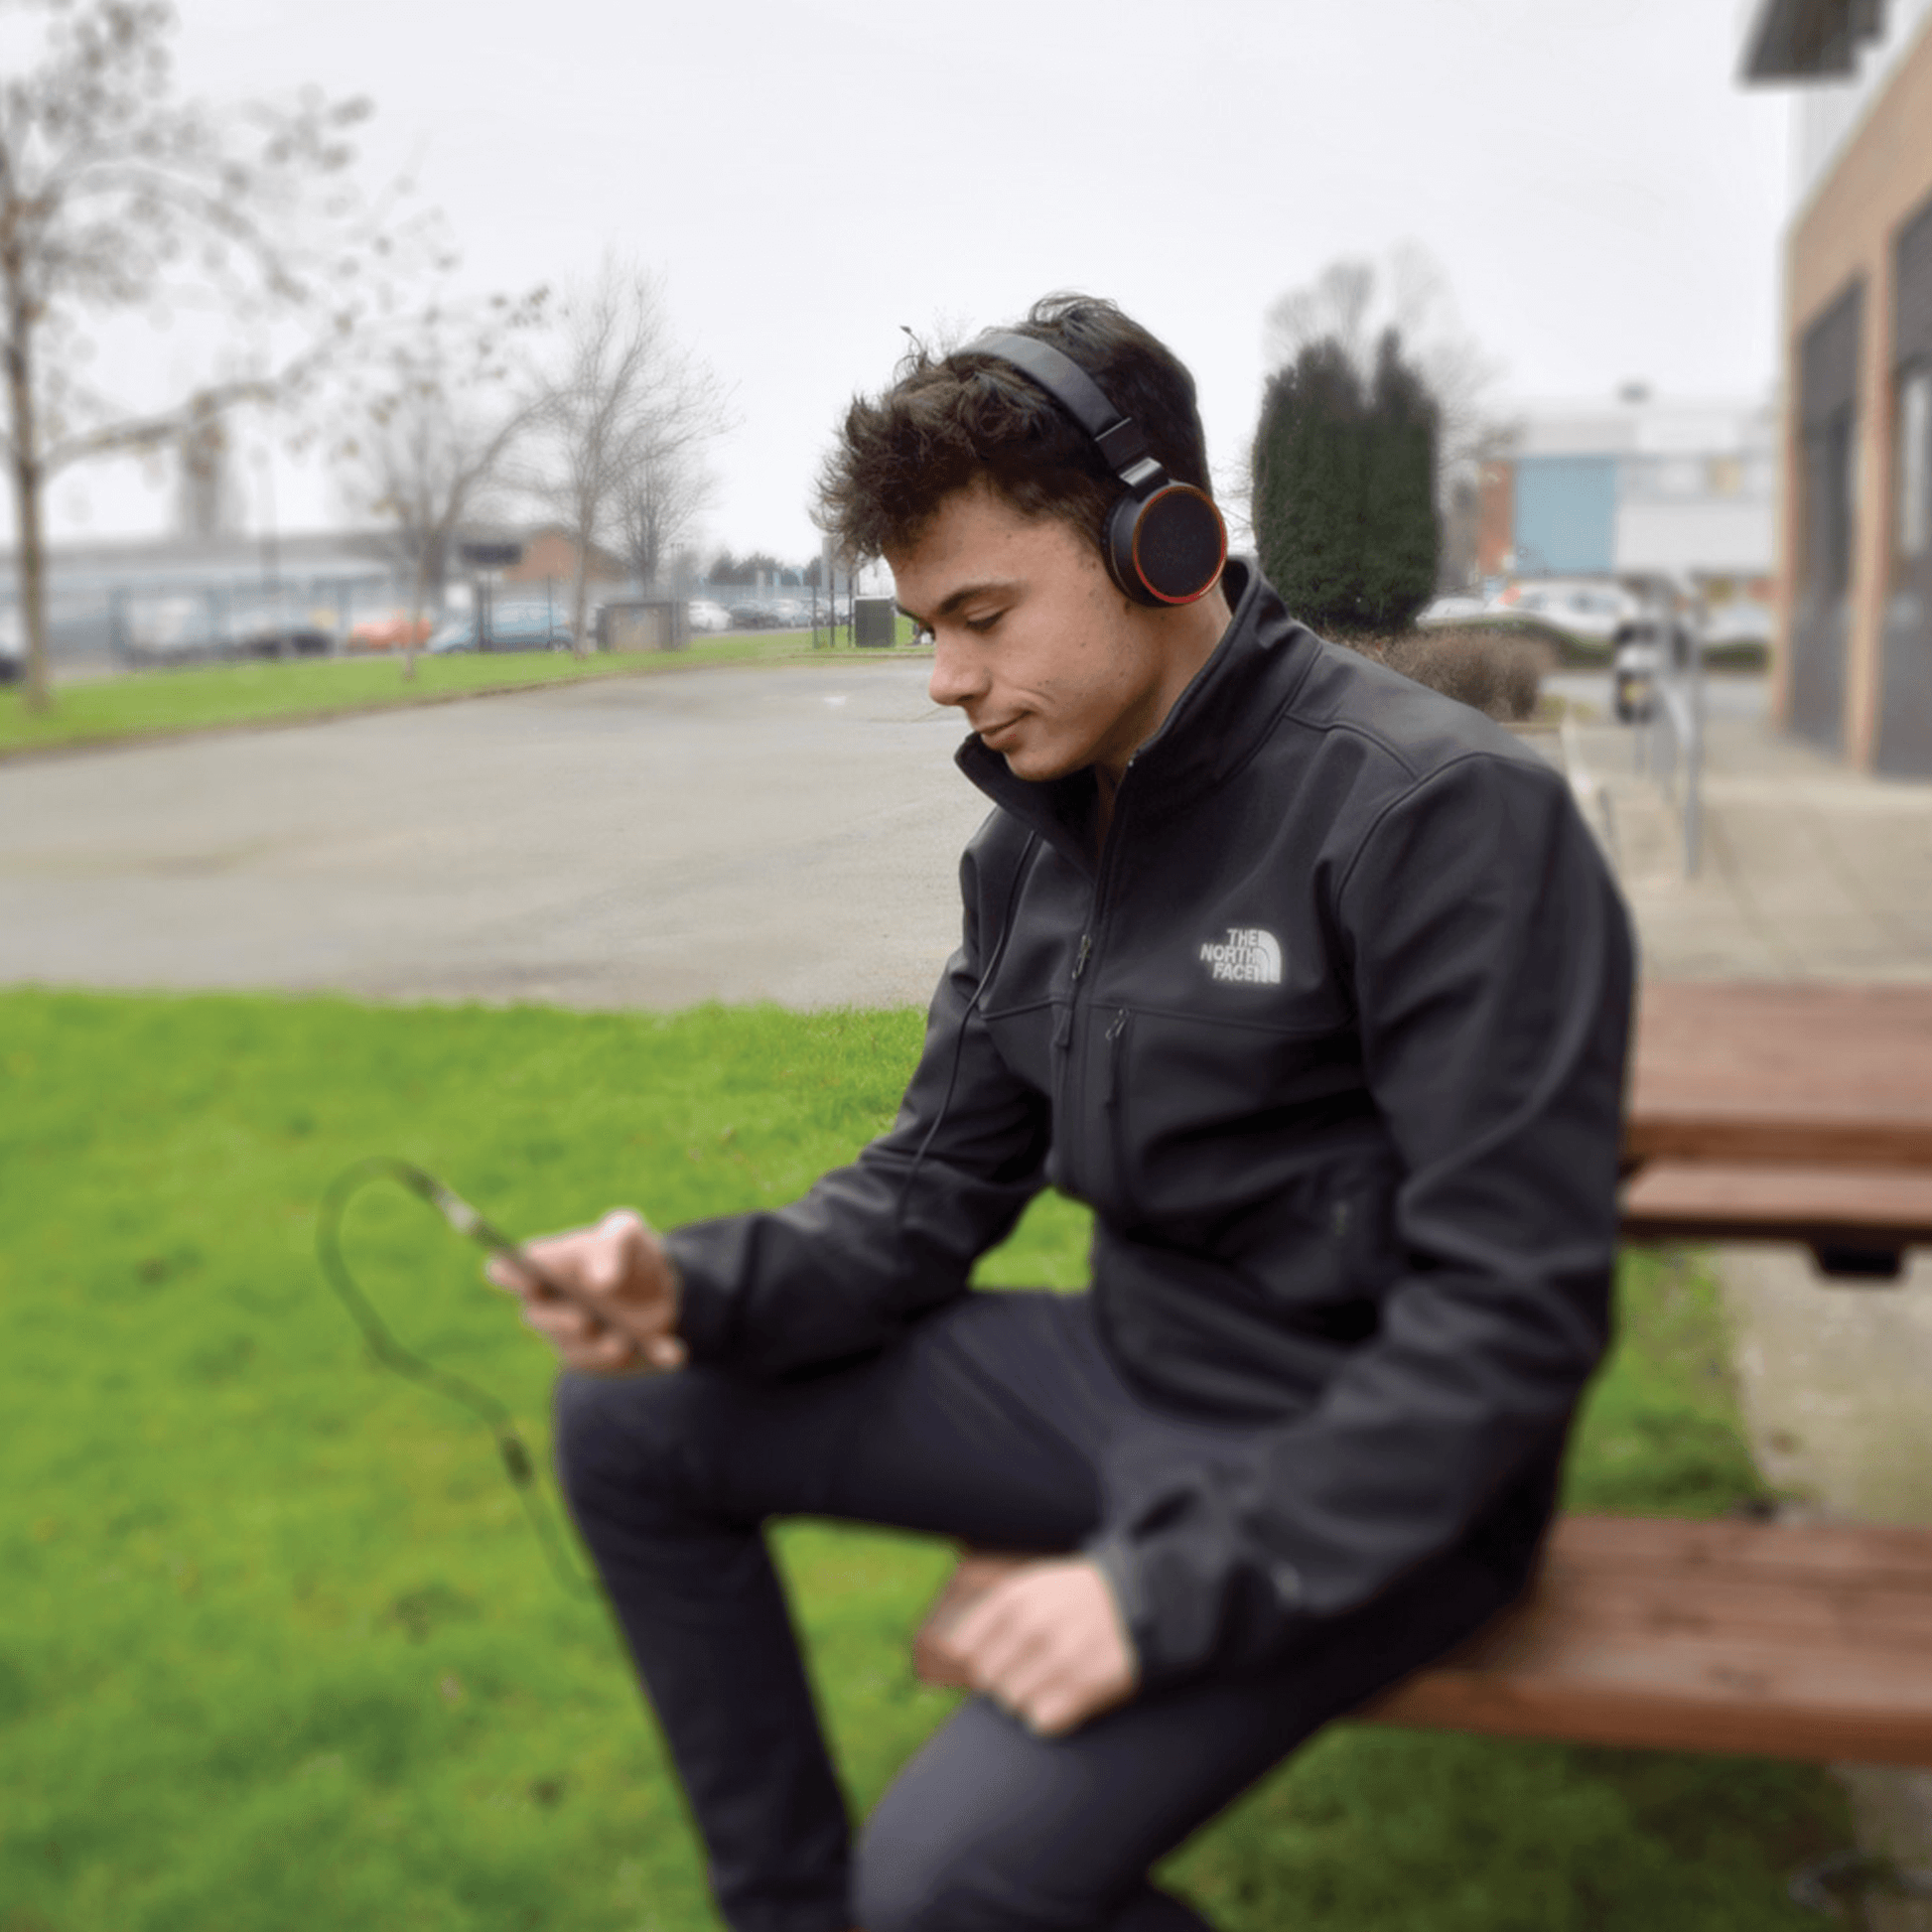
pixel 1034 641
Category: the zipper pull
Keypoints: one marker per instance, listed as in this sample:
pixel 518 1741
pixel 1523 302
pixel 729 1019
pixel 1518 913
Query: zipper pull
pixel 1082 957
pixel 1114 1035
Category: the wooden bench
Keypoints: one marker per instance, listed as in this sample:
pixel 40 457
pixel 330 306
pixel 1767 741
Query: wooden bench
pixel 1790 1641
pixel 1784 1113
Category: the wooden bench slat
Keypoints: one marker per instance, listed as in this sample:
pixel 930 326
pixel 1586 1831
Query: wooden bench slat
pixel 1784 1073
pixel 1700 1201
pixel 1673 1545
pixel 1748 1704
pixel 1792 1640
pixel 1833 1074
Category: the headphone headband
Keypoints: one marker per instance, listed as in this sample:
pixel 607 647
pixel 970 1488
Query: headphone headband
pixel 1165 541
pixel 1120 439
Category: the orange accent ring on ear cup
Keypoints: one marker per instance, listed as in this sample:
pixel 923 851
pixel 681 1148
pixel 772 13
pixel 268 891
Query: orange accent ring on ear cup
pixel 1174 541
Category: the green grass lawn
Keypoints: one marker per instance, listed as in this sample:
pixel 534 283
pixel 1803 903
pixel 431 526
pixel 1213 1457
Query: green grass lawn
pixel 144 704
pixel 279 1649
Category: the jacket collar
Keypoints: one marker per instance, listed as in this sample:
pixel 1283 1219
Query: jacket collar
pixel 1215 725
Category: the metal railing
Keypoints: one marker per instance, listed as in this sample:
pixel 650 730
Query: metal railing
pixel 1669 738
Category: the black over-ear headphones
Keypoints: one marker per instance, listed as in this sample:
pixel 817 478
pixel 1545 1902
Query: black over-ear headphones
pixel 1165 541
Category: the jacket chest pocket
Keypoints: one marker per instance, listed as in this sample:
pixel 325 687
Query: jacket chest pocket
pixel 1190 1120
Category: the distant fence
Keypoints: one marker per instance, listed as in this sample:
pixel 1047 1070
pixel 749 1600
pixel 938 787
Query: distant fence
pixel 101 615
pixel 179 618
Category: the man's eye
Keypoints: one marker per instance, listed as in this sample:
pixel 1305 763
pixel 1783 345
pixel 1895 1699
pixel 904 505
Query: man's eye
pixel 981 625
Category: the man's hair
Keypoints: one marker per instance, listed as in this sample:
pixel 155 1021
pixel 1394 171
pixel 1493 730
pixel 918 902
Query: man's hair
pixel 950 421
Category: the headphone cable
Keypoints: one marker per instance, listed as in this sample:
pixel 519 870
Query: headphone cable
pixel 518 1464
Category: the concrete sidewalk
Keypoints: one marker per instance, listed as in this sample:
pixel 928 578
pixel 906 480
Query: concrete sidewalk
pixel 1809 871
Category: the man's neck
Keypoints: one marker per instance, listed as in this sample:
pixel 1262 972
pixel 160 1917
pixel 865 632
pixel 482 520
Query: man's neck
pixel 1197 629
pixel 1190 638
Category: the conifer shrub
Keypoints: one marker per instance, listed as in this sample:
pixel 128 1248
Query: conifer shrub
pixel 1344 489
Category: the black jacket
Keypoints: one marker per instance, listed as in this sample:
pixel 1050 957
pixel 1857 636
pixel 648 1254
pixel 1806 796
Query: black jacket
pixel 1332 1041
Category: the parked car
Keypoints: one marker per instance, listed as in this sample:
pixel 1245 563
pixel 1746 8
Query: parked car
pixel 754 614
pixel 1587 610
pixel 1457 607
pixel 389 633
pixel 703 614
pixel 13 648
pixel 512 627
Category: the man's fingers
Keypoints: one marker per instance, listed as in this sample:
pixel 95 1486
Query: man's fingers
pixel 504 1272
pixel 602 1295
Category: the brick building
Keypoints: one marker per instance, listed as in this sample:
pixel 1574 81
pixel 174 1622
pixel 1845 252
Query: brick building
pixel 1852 662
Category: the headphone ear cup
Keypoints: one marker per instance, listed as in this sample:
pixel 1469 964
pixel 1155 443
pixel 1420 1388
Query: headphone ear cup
pixel 1168 547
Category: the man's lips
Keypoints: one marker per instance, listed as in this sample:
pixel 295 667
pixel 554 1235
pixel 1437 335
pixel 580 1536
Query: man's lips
pixel 1001 728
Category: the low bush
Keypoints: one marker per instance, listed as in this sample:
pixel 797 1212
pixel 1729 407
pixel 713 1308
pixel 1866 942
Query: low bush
pixel 1493 670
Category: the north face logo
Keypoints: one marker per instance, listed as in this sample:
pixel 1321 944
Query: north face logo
pixel 1250 953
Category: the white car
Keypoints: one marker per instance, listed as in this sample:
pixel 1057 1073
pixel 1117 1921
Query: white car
pixel 1459 606
pixel 13 649
pixel 1589 610
pixel 703 614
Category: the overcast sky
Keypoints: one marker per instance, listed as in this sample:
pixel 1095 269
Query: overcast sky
pixel 1605 200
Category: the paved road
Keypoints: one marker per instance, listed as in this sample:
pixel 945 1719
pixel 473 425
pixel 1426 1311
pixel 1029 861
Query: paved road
pixel 786 834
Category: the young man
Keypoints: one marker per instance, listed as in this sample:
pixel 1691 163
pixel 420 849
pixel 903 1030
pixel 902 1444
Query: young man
pixel 1312 983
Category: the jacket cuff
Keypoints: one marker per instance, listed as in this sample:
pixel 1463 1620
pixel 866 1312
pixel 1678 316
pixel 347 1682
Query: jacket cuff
pixel 704 1309
pixel 1182 1620
pixel 1113 1556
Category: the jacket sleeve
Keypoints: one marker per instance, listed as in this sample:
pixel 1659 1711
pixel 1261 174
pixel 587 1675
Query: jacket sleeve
pixel 1491 966
pixel 879 1243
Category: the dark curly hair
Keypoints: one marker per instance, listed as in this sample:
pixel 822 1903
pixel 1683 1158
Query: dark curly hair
pixel 948 421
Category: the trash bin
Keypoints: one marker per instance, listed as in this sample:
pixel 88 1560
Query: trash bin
pixel 875 620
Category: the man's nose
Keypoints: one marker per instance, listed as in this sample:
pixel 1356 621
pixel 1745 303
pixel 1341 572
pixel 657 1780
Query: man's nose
pixel 956 677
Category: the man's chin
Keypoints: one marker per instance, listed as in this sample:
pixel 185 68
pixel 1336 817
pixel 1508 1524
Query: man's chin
pixel 1034 767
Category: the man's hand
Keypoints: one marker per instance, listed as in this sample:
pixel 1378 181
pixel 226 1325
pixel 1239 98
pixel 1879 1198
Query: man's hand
pixel 1048 1645
pixel 620 1269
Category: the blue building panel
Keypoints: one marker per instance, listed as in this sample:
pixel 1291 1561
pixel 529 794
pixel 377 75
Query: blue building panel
pixel 1565 515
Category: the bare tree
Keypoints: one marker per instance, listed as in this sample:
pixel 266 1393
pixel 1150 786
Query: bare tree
pixel 660 500
pixel 117 199
pixel 625 413
pixel 440 405
pixel 1355 303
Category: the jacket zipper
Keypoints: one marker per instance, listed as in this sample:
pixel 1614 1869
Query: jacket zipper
pixel 1073 1077
pixel 1114 1101
pixel 1115 1035
pixel 1063 1033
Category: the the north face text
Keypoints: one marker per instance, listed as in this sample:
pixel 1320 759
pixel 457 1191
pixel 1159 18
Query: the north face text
pixel 1249 953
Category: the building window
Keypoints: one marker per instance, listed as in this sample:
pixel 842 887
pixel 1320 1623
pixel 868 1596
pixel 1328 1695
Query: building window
pixel 1724 475
pixel 1831 505
pixel 1914 445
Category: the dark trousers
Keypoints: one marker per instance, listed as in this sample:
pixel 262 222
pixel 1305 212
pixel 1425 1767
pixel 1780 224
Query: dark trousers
pixel 989 1421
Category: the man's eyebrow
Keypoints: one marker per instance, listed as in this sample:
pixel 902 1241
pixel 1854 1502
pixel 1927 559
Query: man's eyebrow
pixel 960 598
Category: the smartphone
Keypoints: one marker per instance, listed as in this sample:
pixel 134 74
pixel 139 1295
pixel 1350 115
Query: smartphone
pixel 466 1222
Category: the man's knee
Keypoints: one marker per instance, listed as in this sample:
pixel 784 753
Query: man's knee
pixel 615 1435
